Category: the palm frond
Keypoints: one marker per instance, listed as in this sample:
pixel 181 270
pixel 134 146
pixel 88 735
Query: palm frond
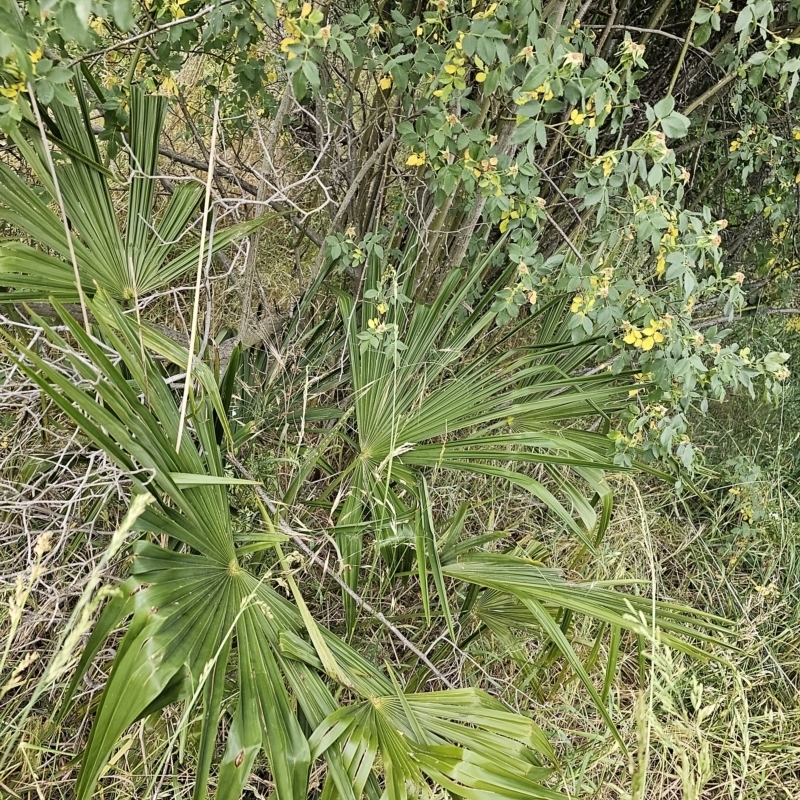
pixel 136 262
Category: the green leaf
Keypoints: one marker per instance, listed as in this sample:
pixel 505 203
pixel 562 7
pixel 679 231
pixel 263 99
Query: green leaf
pixel 664 108
pixel 675 125
pixel 123 14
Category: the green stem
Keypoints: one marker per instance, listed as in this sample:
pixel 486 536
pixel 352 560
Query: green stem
pixel 682 56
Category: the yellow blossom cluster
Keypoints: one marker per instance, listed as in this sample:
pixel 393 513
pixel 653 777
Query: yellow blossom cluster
pixel 19 85
pixel 176 8
pixel 645 338
pixel 12 91
pixel 489 12
pixel 575 26
pixel 599 284
pixel 294 34
pixel 581 305
pixel 588 116
pixel 544 92
pixel 607 162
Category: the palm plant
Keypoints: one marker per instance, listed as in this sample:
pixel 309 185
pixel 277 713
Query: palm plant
pixel 204 601
pixel 452 395
pixel 461 399
pixel 128 263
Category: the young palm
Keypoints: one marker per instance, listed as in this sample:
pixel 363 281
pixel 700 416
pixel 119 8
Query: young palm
pixel 133 262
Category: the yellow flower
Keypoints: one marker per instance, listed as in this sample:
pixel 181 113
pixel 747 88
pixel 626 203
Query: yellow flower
pixel 661 264
pixel 98 25
pixel 416 159
pixel 796 134
pixel 176 9
pixel 36 55
pixel 385 82
pixel 419 30
pixel 735 145
pixel 272 76
pixel 633 337
pixel 382 308
pixel 168 86
pixel 576 117
pixel 480 77
pixel 12 91
pixel 652 335
pixel 608 163
pixel 305 10
pixel 373 323
pixel 289 40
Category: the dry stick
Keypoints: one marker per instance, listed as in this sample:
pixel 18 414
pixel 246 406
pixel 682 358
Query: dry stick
pixel 359 601
pixel 710 93
pixel 637 29
pixel 750 311
pixel 200 259
pixel 564 236
pixel 561 194
pixel 60 200
pixel 250 272
pixel 652 23
pixel 464 234
pixel 722 133
pixel 248 187
pixel 607 27
pixel 348 198
pixel 558 8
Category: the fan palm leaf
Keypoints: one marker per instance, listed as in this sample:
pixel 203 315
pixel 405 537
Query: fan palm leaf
pixel 136 261
pixel 457 399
